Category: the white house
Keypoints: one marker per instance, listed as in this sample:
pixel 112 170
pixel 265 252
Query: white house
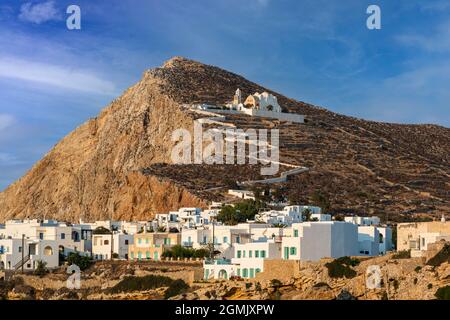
pixel 101 245
pixel 363 221
pixel 287 216
pixel 320 217
pixel 248 260
pixel 18 253
pixel 368 241
pixel 312 241
pixel 242 194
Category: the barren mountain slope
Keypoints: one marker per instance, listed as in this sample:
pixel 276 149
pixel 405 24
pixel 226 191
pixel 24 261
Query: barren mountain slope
pixel 111 164
pixel 94 173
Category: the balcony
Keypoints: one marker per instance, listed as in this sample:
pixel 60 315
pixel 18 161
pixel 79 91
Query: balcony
pixel 218 261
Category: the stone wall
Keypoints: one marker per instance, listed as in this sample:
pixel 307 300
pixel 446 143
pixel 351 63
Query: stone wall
pixel 282 270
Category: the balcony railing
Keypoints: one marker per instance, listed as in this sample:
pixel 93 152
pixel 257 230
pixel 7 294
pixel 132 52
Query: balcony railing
pixel 218 261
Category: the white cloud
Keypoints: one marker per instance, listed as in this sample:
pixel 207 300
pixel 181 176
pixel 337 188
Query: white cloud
pixel 6 121
pixel 54 75
pixel 39 13
pixel 263 2
pixel 439 41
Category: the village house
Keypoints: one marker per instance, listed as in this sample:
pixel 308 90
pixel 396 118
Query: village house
pixel 417 236
pixel 312 241
pixel 16 254
pixel 101 245
pixel 151 245
pixel 248 260
pixel 368 228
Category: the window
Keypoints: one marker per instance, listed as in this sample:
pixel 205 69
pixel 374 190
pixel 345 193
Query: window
pixel 106 242
pixel 293 251
pixel 252 273
pixel 250 253
pixel 206 273
pixel 238 239
pixel 257 270
pixel 256 253
pixel 41 236
pixel 238 253
pixel 245 273
pixel 423 242
pixel 20 249
pixel 48 251
pixel 63 236
pixel 139 240
pixel 225 239
pixel 126 241
pixel 296 233
pixel 243 253
pixel 147 255
pixel 263 253
pixel 239 272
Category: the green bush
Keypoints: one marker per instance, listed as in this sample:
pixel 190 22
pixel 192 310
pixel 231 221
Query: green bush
pixel 341 267
pixel 240 212
pixel 83 262
pixel 276 283
pixel 182 252
pixel 176 287
pixel 443 293
pixel 41 268
pixel 132 283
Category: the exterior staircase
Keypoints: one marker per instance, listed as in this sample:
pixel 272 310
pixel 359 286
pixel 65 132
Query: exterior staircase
pixel 19 264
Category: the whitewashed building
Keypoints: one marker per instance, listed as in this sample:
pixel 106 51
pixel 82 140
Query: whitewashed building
pixel 101 245
pixel 248 260
pixel 312 241
pixel 26 253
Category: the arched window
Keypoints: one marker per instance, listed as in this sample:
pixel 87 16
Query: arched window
pixel 48 251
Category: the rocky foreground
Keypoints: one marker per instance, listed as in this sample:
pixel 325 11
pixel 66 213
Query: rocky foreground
pixel 402 278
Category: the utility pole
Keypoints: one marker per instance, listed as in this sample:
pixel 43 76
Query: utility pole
pixel 112 239
pixel 213 238
pixel 23 250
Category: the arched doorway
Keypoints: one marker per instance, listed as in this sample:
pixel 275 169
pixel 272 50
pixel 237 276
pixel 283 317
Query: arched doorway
pixel 223 274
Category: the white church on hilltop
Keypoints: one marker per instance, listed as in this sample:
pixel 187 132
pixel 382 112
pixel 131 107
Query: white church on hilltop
pixel 261 105
pixel 258 101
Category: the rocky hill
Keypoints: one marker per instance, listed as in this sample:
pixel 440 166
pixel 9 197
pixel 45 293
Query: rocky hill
pixel 118 164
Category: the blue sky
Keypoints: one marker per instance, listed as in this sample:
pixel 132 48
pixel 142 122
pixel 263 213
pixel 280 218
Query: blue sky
pixel 320 51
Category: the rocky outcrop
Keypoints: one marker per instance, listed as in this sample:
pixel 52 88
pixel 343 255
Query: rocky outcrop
pixel 94 172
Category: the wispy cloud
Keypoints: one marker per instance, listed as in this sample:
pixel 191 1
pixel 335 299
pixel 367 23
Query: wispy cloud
pixel 54 75
pixel 6 121
pixel 437 41
pixel 39 13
